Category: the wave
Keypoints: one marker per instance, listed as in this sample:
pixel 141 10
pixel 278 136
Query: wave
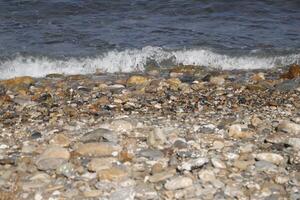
pixel 137 59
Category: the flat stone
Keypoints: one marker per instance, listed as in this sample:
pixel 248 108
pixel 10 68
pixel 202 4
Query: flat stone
pixel 193 164
pixel 121 125
pixel 217 163
pixel 151 154
pixel 137 80
pixel 60 140
pixel 162 176
pixel 112 174
pixel 97 149
pixel 294 142
pixel 97 164
pixel 92 193
pixel 289 127
pixel 236 132
pixel 178 183
pixel 99 135
pixel 52 157
pixel 270 157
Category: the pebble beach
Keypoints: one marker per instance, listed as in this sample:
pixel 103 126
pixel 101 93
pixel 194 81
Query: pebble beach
pixel 185 132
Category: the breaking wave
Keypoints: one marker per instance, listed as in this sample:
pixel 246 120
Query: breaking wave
pixel 136 60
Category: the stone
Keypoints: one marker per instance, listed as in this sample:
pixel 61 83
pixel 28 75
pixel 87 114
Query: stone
pixel 112 174
pixel 289 127
pixel 162 176
pixel 60 140
pixel 193 164
pixel 206 176
pixel 100 135
pixel 52 158
pixel 137 80
pixel 243 164
pixel 126 193
pixel 156 168
pixel 174 83
pixel 217 163
pixel 121 125
pixel 294 142
pixel 66 169
pixel 270 157
pixel 156 138
pixel 256 121
pixel 293 72
pixel 97 164
pixel 258 77
pixel 97 149
pixel 236 131
pixel 152 154
pixel 92 193
pixel 217 80
pixel 178 183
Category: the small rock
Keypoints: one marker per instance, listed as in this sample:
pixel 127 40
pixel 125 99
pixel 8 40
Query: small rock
pixel 112 174
pixel 97 164
pixel 217 80
pixel 92 193
pixel 35 135
pixel 162 176
pixel 126 193
pixel 121 125
pixel 52 158
pixel 294 142
pixel 151 154
pixel 258 77
pixel 156 138
pixel 97 149
pixel 207 176
pixel 66 169
pixel 137 80
pixel 217 163
pixel 60 140
pixel 270 157
pixel 289 127
pixel 193 164
pixel 99 135
pixel 236 131
pixel 178 183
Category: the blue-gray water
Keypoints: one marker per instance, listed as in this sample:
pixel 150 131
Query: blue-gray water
pixel 78 36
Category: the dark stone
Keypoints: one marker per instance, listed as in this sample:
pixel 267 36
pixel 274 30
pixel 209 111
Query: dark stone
pixel 36 135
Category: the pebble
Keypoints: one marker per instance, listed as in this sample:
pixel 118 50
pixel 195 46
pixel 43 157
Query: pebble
pixel 270 157
pixel 236 132
pixel 192 164
pixel 60 140
pixel 99 135
pixel 121 125
pixel 97 164
pixel 217 163
pixel 178 183
pixel 97 149
pixel 112 174
pixel 52 158
pixel 289 127
pixel 162 176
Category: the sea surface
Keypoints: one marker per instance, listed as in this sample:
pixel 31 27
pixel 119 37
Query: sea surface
pixel 38 37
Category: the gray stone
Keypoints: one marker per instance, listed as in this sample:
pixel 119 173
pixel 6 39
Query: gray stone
pixel 100 135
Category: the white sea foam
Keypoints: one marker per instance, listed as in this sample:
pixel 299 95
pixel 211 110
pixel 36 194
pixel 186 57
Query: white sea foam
pixel 135 60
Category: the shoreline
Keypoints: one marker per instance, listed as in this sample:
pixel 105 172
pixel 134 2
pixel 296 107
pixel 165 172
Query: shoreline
pixel 180 133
